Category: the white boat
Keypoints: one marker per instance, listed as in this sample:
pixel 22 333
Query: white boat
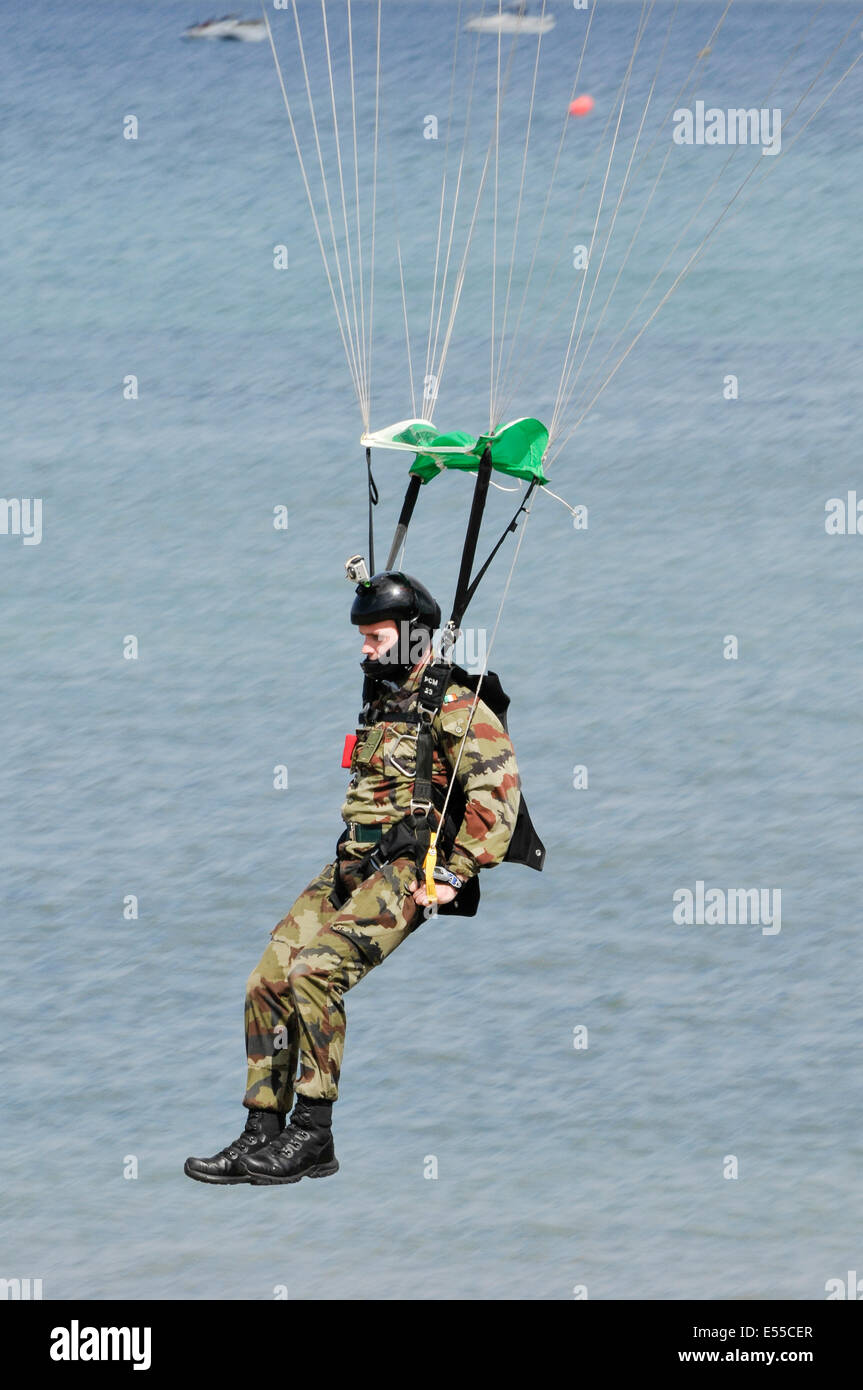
pixel 212 28
pixel 248 31
pixel 230 26
pixel 511 19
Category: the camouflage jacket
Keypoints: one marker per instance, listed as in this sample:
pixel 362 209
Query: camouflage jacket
pixel 383 765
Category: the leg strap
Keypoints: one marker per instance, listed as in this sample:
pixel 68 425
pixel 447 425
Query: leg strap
pixel 407 839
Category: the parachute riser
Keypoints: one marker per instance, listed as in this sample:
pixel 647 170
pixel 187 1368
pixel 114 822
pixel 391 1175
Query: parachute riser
pixel 465 586
pixel 374 498
pixel 404 521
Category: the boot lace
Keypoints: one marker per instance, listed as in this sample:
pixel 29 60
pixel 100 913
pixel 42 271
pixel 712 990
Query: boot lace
pixel 252 1137
pixel 291 1139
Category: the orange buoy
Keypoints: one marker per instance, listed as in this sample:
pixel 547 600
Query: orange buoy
pixel 581 106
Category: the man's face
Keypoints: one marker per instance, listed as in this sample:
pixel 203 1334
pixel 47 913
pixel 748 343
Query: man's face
pixel 378 637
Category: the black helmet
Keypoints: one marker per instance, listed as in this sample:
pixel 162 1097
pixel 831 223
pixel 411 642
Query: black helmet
pixel 392 594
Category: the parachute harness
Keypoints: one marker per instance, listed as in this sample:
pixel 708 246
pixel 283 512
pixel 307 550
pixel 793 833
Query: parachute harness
pixel 415 833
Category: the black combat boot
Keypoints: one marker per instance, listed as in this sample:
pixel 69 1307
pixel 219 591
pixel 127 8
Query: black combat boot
pixel 226 1166
pixel 303 1150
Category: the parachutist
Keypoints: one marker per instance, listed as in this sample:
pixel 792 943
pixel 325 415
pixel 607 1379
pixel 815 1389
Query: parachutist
pixel 434 798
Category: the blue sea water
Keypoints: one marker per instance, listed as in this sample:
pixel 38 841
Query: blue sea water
pixel 557 1167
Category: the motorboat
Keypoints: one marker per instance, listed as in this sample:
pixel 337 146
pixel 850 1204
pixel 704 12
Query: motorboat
pixel 230 26
pixel 212 28
pixel 248 31
pixel 512 19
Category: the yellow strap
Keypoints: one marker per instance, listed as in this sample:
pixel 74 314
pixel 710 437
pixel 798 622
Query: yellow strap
pixel 429 866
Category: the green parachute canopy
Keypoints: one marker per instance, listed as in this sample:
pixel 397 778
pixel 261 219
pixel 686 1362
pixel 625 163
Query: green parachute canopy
pixel 516 448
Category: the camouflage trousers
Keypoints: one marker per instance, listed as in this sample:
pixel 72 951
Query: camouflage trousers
pixel 294 1008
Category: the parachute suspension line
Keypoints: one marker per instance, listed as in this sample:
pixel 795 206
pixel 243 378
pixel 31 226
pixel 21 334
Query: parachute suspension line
pixel 374 217
pixel 634 238
pixel 342 325
pixel 374 498
pixel 428 391
pixel 646 208
pixel 702 56
pixel 674 104
pixel 689 80
pixel 380 126
pixel 538 240
pixel 624 94
pixel 496 138
pixel 609 352
pixel 351 350
pixel 494 413
pixel 699 250
pixel 338 258
pixel 658 273
pixel 568 389
pixel 811 117
pixel 620 95
pixel 358 338
pixel 364 355
pixel 459 283
pixel 395 216
pixel 435 320
pixel 438 367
